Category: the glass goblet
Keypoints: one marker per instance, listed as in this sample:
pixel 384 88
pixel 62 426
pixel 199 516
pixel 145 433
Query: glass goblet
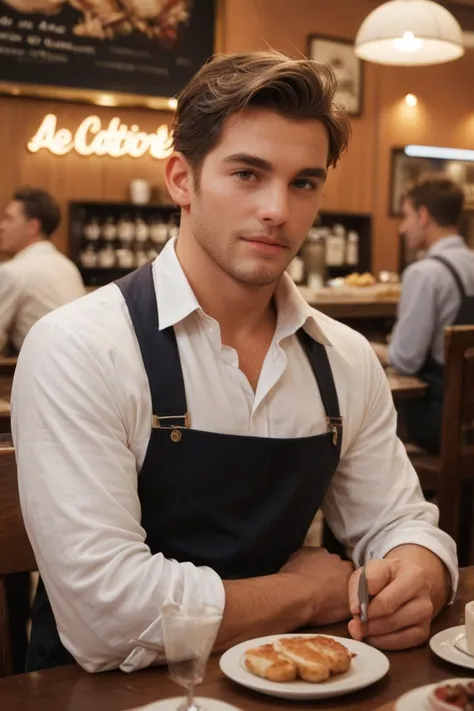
pixel 189 633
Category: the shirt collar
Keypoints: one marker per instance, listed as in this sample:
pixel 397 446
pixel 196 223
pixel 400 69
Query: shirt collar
pixel 176 300
pixel 41 247
pixel 444 244
pixel 294 313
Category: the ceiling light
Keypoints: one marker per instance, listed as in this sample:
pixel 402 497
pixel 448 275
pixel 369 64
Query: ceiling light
pixel 439 152
pixel 409 32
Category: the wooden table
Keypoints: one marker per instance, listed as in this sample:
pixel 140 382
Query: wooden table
pixel 5 425
pixel 7 365
pixel 405 387
pixel 356 308
pixel 71 689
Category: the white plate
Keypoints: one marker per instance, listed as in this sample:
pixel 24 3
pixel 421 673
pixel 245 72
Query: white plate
pixel 367 667
pixel 442 644
pixel 174 703
pixel 460 642
pixel 417 700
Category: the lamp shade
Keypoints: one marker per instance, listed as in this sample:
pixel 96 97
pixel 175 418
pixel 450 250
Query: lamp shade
pixel 409 32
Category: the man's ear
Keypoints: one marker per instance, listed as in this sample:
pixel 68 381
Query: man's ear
pixel 33 227
pixel 424 215
pixel 179 179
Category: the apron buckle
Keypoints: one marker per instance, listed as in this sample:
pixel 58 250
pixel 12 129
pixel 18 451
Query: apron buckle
pixel 334 426
pixel 162 422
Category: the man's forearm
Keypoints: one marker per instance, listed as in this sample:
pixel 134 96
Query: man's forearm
pixel 435 570
pixel 261 606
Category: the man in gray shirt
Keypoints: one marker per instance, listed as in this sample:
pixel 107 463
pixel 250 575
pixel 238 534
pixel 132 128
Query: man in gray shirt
pixel 435 294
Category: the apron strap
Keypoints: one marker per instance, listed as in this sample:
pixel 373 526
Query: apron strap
pixel 165 375
pixel 318 357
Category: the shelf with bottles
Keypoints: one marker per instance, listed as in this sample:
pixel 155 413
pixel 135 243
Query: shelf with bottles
pixel 110 239
pixel 338 244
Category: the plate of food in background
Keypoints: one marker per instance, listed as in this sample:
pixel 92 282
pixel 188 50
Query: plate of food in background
pixel 450 695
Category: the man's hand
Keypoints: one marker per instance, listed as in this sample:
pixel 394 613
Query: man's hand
pixel 400 613
pixel 325 578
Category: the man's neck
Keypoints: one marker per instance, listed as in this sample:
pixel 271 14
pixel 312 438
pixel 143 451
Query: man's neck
pixel 239 308
pixel 30 243
pixel 440 233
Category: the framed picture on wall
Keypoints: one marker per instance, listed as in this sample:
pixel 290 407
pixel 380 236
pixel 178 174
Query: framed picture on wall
pixel 405 170
pixel 110 52
pixel 340 55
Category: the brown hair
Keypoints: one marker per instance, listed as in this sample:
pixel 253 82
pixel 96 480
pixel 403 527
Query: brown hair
pixel 39 205
pixel 294 88
pixel 442 197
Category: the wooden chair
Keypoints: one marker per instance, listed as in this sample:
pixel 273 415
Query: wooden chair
pixel 451 475
pixel 16 555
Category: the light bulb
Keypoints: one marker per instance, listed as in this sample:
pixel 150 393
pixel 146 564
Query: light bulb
pixel 411 100
pixel 173 102
pixel 408 43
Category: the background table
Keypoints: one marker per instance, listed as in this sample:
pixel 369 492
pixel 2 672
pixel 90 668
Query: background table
pixel 405 387
pixel 71 689
pixel 5 425
pixel 7 365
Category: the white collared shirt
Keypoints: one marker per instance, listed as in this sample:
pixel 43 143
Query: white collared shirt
pixel 429 302
pixel 81 417
pixel 36 281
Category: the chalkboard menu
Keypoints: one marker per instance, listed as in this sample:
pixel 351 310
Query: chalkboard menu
pixel 141 47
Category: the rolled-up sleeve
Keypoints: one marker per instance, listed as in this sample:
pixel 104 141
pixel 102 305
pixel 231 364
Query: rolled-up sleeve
pixel 375 502
pixel 78 490
pixel 412 335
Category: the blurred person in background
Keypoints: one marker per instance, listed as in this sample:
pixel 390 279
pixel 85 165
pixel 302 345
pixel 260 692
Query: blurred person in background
pixel 38 278
pixel 437 291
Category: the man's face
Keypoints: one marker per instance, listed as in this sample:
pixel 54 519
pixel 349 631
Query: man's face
pixel 15 229
pixel 413 225
pixel 259 191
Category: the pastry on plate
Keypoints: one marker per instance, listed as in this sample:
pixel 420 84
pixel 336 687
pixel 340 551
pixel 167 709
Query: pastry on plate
pixel 313 659
pixel 316 658
pixel 266 662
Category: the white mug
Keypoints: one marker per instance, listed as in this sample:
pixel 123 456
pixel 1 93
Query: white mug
pixel 140 192
pixel 470 627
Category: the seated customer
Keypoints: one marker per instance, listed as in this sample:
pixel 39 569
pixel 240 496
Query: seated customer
pixel 437 291
pixel 38 278
pixel 178 431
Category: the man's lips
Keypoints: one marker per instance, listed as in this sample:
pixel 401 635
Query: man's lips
pixel 263 243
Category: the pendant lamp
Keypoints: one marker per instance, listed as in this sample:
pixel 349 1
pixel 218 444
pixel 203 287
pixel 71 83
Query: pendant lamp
pixel 409 32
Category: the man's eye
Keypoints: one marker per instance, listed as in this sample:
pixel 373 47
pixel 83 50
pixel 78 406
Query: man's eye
pixel 304 184
pixel 245 175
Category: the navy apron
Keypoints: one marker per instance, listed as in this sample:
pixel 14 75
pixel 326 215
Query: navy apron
pixel 423 418
pixel 239 504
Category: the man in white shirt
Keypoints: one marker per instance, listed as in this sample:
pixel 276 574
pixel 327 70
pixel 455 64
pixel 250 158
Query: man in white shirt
pixel 38 278
pixel 177 432
pixel 437 291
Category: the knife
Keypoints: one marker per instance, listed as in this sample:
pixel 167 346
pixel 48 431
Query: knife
pixel 363 594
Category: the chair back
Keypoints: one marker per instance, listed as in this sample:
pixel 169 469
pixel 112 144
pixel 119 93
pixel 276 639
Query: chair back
pixel 456 481
pixel 16 554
